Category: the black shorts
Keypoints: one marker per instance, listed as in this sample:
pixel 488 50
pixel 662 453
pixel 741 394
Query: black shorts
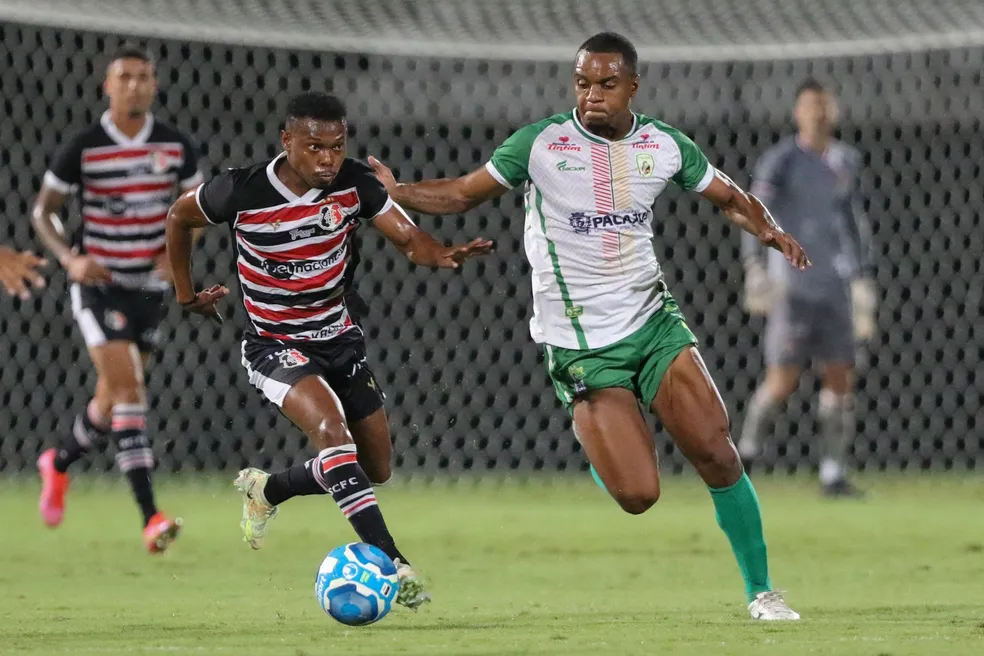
pixel 114 313
pixel 274 367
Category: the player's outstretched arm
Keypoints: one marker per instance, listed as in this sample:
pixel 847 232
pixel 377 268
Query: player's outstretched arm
pixel 420 247
pixel 44 217
pixel 748 213
pixel 18 270
pixel 183 219
pixel 443 196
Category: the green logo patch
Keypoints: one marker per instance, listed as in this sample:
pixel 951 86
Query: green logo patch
pixel 574 311
pixel 562 166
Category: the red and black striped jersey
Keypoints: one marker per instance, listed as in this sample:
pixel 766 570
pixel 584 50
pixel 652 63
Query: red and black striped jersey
pixel 295 253
pixel 125 188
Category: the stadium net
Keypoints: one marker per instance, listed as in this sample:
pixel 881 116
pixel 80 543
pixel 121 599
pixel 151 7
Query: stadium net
pixel 434 86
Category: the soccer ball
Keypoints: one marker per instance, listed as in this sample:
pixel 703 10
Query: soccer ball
pixel 356 584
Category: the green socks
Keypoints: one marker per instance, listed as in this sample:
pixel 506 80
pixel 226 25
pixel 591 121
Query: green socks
pixel 740 517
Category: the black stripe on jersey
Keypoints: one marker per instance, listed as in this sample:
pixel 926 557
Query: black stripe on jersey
pixel 261 239
pixel 294 299
pixel 142 266
pixel 131 235
pixel 294 328
pixel 105 204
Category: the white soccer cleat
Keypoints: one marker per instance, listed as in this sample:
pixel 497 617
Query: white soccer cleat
pixel 771 606
pixel 412 593
pixel 256 510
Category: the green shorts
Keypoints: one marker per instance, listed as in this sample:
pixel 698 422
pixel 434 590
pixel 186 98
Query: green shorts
pixel 637 362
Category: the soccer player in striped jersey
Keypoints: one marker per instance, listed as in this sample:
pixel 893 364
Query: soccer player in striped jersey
pixel 811 181
pixel 126 169
pixel 18 270
pixel 293 219
pixel 613 334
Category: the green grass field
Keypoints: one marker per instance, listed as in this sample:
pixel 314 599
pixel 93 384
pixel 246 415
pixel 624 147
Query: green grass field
pixel 543 567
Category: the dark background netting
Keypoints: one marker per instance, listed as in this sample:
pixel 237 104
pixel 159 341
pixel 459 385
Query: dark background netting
pixel 467 387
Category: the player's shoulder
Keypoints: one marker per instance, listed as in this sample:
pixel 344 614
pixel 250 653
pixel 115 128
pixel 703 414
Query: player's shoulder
pixel 785 147
pixel 248 176
pixel 563 119
pixel 92 135
pixel 165 131
pixel 844 152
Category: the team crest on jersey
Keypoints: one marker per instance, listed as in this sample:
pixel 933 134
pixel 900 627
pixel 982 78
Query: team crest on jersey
pixel 115 320
pixel 330 216
pixel 645 164
pixel 292 358
pixel 581 223
pixel 159 162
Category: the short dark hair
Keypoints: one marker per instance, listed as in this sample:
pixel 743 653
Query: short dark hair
pixel 131 51
pixel 315 105
pixel 810 84
pixel 612 42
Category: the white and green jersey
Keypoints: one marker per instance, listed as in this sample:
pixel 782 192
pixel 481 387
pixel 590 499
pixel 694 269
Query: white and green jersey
pixel 588 233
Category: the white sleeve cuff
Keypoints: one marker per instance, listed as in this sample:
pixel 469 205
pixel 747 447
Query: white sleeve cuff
pixel 198 199
pixel 706 181
pixel 387 206
pixel 54 182
pixel 193 181
pixel 494 172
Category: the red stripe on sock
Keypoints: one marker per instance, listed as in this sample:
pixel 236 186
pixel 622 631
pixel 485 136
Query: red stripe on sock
pixel 337 461
pixel 365 503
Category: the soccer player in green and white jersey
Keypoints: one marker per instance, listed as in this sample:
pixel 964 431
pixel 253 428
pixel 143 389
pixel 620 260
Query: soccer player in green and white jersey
pixel 613 334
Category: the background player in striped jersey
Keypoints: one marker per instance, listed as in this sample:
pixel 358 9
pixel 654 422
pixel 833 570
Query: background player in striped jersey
pixel 612 333
pixel 18 270
pixel 810 181
pixel 127 168
pixel 293 220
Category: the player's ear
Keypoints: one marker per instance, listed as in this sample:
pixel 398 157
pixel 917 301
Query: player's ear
pixel 285 139
pixel 635 85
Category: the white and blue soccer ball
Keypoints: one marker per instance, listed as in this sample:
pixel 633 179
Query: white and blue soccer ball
pixel 357 584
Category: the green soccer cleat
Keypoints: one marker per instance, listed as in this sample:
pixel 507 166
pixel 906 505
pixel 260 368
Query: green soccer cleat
pixel 256 510
pixel 412 593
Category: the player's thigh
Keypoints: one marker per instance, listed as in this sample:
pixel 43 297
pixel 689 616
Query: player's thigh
pixel 295 383
pixel 691 409
pixel 619 445
pixel 119 371
pixel 837 346
pixel 313 407
pixel 148 310
pixel 781 380
pixel 838 377
pixel 789 334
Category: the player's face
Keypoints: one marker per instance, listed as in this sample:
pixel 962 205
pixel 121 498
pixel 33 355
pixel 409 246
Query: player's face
pixel 315 150
pixel 815 112
pixel 131 86
pixel 604 87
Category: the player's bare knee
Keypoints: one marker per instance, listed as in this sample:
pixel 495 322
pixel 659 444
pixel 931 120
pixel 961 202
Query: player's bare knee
pixel 638 497
pixel 717 462
pixel 330 432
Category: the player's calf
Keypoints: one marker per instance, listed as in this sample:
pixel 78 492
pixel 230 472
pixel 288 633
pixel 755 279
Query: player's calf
pixel 134 457
pixel 88 429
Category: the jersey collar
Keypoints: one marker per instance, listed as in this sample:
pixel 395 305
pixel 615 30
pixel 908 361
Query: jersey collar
pixel 121 139
pixel 290 196
pixel 601 140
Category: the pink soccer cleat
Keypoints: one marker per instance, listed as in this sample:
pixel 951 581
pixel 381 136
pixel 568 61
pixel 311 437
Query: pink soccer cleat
pixel 54 485
pixel 160 532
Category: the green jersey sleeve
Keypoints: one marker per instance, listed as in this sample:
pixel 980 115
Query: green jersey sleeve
pixel 510 163
pixel 695 171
